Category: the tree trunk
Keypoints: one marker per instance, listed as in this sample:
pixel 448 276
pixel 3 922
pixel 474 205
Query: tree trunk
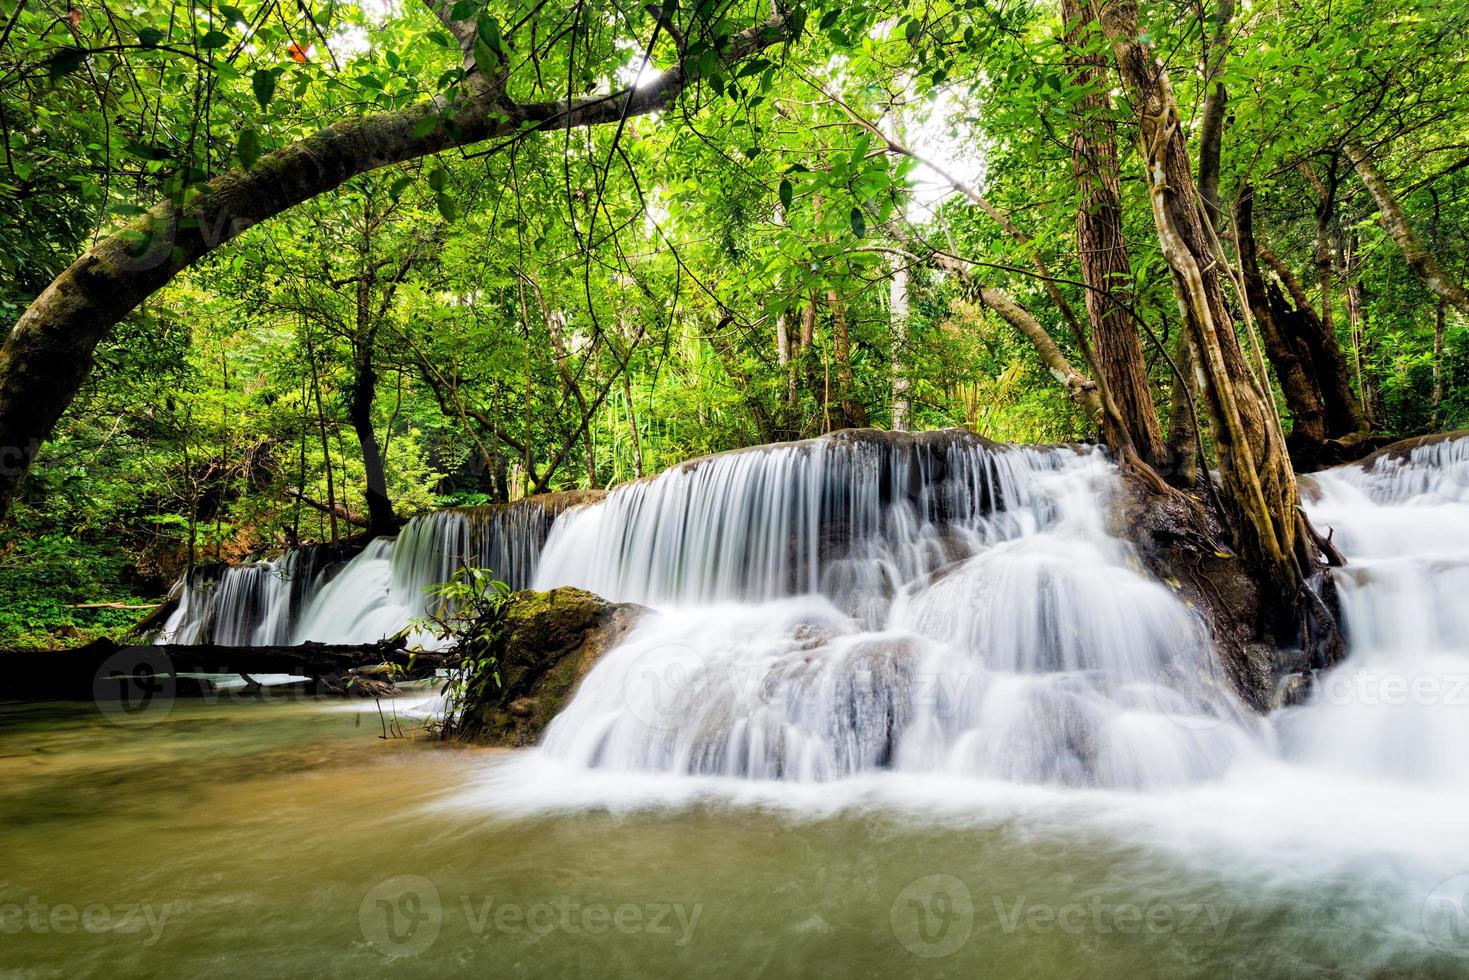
pixel 1436 408
pixel 632 427
pixel 1325 214
pixel 1079 388
pixel 1302 396
pixel 899 313
pixel 1256 471
pixel 1418 257
pixel 1319 350
pixel 380 516
pixel 1120 365
pixel 326 451
pixel 850 410
pixel 1183 436
pixel 568 381
pixel 49 352
pixel 1369 392
pixel 1211 125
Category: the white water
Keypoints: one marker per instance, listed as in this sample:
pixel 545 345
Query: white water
pixel 948 633
pixel 839 607
pixel 1398 708
pixel 935 606
pixel 302 596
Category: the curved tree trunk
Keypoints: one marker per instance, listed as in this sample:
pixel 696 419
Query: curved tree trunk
pixel 1256 471
pixel 48 354
pixel 1419 258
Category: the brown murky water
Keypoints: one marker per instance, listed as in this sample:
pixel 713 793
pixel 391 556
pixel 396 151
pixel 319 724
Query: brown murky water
pixel 288 839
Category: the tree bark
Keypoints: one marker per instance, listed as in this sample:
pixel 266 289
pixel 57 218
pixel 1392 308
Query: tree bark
pixel 1079 388
pixel 1302 396
pixel 1256 471
pixel 1211 124
pixel 852 414
pixel 1120 365
pixel 1320 353
pixel 1418 257
pixel 1436 407
pixel 48 354
pixel 1183 435
pixel 380 516
pixel 1369 392
pixel 898 313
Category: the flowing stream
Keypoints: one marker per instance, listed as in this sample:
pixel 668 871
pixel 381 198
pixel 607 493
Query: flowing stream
pixel 900 707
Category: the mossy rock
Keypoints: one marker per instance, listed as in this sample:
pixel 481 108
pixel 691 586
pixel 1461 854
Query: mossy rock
pixel 551 640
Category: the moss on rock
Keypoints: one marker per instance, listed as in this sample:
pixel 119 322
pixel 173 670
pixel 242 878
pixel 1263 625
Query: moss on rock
pixel 549 643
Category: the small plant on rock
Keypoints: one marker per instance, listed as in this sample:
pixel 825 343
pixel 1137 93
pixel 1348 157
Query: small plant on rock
pixel 467 612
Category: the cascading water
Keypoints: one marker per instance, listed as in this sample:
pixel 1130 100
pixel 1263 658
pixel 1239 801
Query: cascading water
pixel 304 596
pixel 1399 706
pixel 924 604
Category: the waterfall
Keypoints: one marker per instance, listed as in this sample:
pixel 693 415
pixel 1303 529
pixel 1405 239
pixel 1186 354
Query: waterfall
pixel 1398 707
pixel 255 604
pixel 308 594
pixel 925 604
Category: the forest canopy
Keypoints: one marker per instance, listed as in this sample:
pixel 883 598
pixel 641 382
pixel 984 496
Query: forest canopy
pixel 295 271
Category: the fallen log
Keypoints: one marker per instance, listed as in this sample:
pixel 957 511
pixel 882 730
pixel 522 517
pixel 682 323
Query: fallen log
pixel 99 669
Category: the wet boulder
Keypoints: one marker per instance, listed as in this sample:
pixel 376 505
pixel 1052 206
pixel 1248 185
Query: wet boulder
pixel 547 643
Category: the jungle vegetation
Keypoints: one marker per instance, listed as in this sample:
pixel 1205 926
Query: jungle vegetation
pixel 296 270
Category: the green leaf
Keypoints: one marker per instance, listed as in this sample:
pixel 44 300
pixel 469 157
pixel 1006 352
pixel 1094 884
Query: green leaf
pixel 248 148
pixel 424 127
pixel 484 57
pixel 911 31
pixel 150 37
pixel 65 62
pixel 463 10
pixel 436 180
pixel 489 32
pixel 787 194
pixel 233 14
pixel 214 39
pixel 398 187
pixel 263 84
pixel 827 19
pixel 447 207
pixel 859 223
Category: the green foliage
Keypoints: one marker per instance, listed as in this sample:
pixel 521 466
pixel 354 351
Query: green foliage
pixel 468 615
pixel 569 309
